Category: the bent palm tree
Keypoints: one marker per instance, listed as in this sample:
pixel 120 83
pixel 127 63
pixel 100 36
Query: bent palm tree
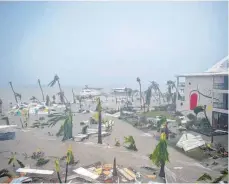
pixel 16 95
pixel 43 97
pixel 155 87
pixel 160 155
pixel 61 93
pixel 140 88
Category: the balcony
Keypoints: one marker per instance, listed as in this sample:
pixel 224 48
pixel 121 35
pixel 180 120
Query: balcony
pixel 220 105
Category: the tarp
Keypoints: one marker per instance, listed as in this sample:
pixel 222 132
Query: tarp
pixel 189 142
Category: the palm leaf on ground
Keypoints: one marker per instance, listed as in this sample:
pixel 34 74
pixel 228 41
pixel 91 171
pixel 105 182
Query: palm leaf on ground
pixel 204 177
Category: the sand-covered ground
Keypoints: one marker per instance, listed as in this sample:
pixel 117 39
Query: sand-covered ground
pixel 181 167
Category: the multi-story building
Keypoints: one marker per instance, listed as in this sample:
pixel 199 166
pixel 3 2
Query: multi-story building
pixel 209 88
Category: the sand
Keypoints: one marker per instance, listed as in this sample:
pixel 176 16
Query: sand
pixel 29 140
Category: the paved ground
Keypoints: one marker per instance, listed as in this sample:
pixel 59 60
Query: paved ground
pixel 181 168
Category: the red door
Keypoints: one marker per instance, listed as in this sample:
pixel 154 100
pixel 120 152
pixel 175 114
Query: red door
pixel 193 100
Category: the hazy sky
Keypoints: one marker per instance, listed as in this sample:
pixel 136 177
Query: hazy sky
pixel 109 43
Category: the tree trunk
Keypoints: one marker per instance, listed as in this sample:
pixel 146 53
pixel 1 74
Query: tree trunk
pixel 68 129
pixel 13 92
pixel 140 87
pixel 205 114
pixel 66 173
pixel 100 129
pixel 162 170
pixel 43 97
pixel 61 93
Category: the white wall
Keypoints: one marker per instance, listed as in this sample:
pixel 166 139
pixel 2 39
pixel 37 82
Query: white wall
pixel 204 84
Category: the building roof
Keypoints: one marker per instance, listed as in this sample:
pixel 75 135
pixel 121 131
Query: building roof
pixel 219 69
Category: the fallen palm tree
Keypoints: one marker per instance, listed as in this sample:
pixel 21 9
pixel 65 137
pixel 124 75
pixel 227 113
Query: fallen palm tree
pixel 131 143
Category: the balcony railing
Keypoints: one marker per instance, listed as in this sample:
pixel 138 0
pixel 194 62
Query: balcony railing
pixel 220 105
pixel 222 86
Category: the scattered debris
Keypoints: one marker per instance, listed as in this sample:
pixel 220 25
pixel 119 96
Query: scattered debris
pixel 34 171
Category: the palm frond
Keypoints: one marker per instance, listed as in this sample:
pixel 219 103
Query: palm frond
pixel 55 119
pixel 52 83
pixel 61 131
pixel 10 160
pixel 20 163
pixel 204 177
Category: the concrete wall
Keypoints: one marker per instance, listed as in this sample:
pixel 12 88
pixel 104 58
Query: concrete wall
pixel 204 85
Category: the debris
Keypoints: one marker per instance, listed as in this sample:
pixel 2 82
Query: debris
pixel 127 176
pixel 85 172
pixel 129 172
pixel 21 180
pixel 189 142
pixel 151 176
pixel 35 171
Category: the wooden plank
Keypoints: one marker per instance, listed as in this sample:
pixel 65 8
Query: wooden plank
pixel 35 171
pixel 85 172
pixel 127 176
pixel 130 172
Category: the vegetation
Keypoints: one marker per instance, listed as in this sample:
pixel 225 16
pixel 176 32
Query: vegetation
pixel 140 88
pixel 67 125
pixel 160 155
pixel 159 113
pixel 99 111
pixel 117 143
pixel 16 95
pixel 61 93
pixel 41 162
pixel 39 83
pixel 53 99
pixel 69 160
pixel 206 177
pixel 200 109
pixel 191 116
pixel 130 140
pixel 13 160
pixel 148 97
pixel 57 168
pixel 84 129
pixel 47 102
pixel 155 86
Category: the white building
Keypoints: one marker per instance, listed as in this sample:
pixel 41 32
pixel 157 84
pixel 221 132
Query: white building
pixel 209 88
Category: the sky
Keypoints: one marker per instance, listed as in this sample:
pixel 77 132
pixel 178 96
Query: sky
pixel 109 43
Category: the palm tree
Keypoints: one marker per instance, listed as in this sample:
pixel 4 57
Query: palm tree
pixel 61 93
pixel 16 95
pixel 67 125
pixel 200 109
pixel 47 100
pixel 171 85
pixel 99 111
pixel 148 97
pixel 69 160
pixel 155 87
pixel 57 167
pixel 73 95
pixel 160 155
pixel 54 99
pixel 33 98
pixel 43 97
pixel 140 88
